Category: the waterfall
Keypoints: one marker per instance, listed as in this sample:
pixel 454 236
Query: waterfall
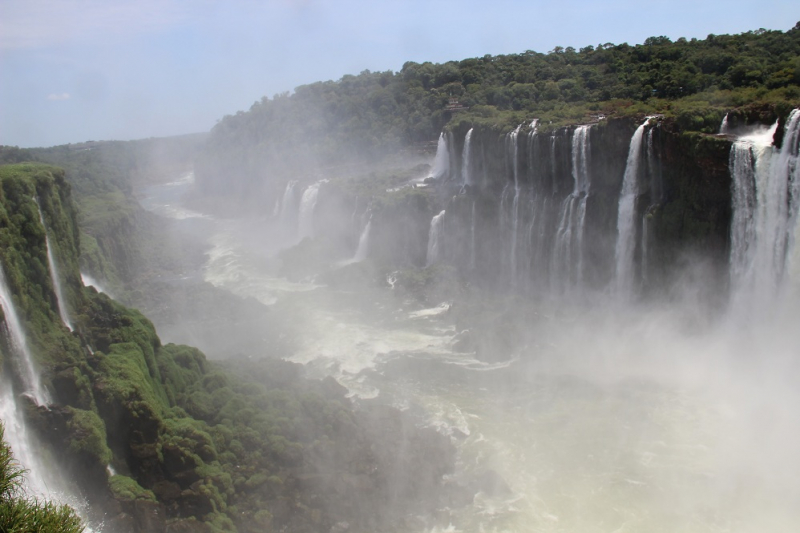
pixel 19 344
pixel 441 163
pixel 723 127
pixel 363 243
pixel 513 143
pixel 568 250
pixel 626 212
pixel 765 203
pixel 288 211
pixel 16 434
pixel 306 216
pixel 60 301
pixel 465 159
pixel 435 239
pixel 89 281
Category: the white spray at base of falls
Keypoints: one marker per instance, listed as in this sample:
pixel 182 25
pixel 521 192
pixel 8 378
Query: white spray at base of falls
pixel 441 163
pixel 435 239
pixel 626 213
pixel 765 202
pixel 567 266
pixel 466 177
pixel 27 369
pixel 308 202
pixel 60 301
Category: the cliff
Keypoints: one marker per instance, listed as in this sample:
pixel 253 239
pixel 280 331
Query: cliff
pixel 157 438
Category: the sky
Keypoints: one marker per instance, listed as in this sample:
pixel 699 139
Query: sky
pixel 79 70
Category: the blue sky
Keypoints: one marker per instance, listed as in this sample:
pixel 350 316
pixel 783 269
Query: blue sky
pixel 77 70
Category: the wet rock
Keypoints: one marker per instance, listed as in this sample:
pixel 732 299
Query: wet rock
pixel 150 516
pixel 188 525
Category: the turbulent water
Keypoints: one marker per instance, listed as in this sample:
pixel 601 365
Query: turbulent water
pixel 613 417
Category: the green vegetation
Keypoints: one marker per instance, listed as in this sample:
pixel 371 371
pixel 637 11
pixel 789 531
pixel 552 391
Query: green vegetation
pixel 253 446
pixel 20 513
pixel 328 124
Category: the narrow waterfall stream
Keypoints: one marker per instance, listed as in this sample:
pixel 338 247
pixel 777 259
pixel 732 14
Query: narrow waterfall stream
pixel 60 300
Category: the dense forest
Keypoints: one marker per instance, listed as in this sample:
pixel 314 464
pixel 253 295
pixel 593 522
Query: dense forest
pixel 367 116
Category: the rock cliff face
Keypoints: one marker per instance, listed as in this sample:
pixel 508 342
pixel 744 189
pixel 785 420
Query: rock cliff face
pixel 156 438
pixel 541 209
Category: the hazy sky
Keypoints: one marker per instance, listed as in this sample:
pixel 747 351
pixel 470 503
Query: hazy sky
pixel 76 70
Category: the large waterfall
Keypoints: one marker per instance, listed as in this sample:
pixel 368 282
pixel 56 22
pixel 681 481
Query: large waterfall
pixel 435 239
pixel 19 344
pixel 41 479
pixel 60 301
pixel 568 253
pixel 627 211
pixel 441 164
pixel 765 203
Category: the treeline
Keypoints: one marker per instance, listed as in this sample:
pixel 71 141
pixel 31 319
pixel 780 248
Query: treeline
pixel 375 113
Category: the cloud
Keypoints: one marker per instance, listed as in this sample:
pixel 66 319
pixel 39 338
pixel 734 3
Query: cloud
pixel 62 96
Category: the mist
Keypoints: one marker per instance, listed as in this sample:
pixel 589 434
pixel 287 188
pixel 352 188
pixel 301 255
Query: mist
pixel 543 291
pixel 666 403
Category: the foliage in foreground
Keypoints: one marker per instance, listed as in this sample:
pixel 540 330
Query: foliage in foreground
pixel 21 513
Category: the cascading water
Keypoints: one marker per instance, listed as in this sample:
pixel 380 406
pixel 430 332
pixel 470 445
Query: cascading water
pixel 441 163
pixel 513 153
pixel 41 479
pixel 435 239
pixel 626 212
pixel 466 177
pixel 308 203
pixel 19 344
pixel 288 211
pixel 568 251
pixel 17 436
pixel 723 127
pixel 60 301
pixel 363 243
pixel 765 202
